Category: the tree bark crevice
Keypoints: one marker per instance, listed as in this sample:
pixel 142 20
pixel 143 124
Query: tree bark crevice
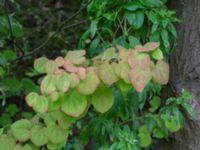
pixel 185 71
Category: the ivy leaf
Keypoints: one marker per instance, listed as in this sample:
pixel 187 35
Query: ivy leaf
pixel 39 64
pixel 135 19
pixel 89 84
pixel 38 136
pixel 74 104
pixel 56 134
pixel 102 99
pixel 48 84
pixel 161 72
pixel 62 81
pixel 20 129
pixel 155 103
pixel 145 137
pixel 107 73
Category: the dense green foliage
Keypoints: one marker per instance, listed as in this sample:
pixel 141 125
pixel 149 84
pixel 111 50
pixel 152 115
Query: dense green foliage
pixel 106 97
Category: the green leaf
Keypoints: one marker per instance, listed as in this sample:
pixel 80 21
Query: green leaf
pixel 93 28
pixel 77 57
pixel 161 72
pixel 51 66
pixel 155 103
pixel 62 81
pixel 38 136
pixel 41 105
pixel 107 73
pixel 56 134
pixel 89 84
pixel 133 41
pixel 135 19
pixel 7 142
pixel 133 6
pixel 48 84
pixel 151 3
pixel 32 98
pixel 74 104
pixel 39 64
pixel 157 54
pixel 165 38
pixel 109 54
pixel 158 133
pixel 29 86
pixel 145 137
pixel 9 55
pixel 17 30
pixel 171 123
pixel 102 99
pixel 20 130
pixel 172 30
pixel 189 110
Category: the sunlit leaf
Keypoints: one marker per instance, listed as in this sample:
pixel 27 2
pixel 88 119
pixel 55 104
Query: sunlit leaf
pixel 102 99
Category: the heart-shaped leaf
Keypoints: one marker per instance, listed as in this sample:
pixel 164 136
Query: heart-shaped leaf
pixel 161 72
pixel 38 136
pixel 39 64
pixel 48 84
pixel 157 54
pixel 107 73
pixel 41 105
pixel 51 66
pixel 145 137
pixel 7 142
pixel 136 59
pixel 90 84
pixel 74 104
pixel 122 71
pixel 62 82
pixel 56 134
pixel 140 77
pixel 103 99
pixel 76 57
pixel 20 129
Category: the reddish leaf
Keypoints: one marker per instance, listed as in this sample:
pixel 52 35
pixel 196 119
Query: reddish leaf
pixel 140 77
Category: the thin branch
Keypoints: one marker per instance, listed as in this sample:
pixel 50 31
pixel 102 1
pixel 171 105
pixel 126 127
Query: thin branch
pixel 58 30
pixel 48 39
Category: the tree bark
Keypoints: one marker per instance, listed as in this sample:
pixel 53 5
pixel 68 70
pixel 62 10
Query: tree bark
pixel 185 71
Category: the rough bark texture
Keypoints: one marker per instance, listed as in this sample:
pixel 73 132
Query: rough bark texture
pixel 185 71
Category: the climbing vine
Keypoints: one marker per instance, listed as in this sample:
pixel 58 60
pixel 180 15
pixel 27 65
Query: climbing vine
pixel 74 84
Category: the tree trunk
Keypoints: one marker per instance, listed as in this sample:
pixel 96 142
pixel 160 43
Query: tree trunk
pixel 185 71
